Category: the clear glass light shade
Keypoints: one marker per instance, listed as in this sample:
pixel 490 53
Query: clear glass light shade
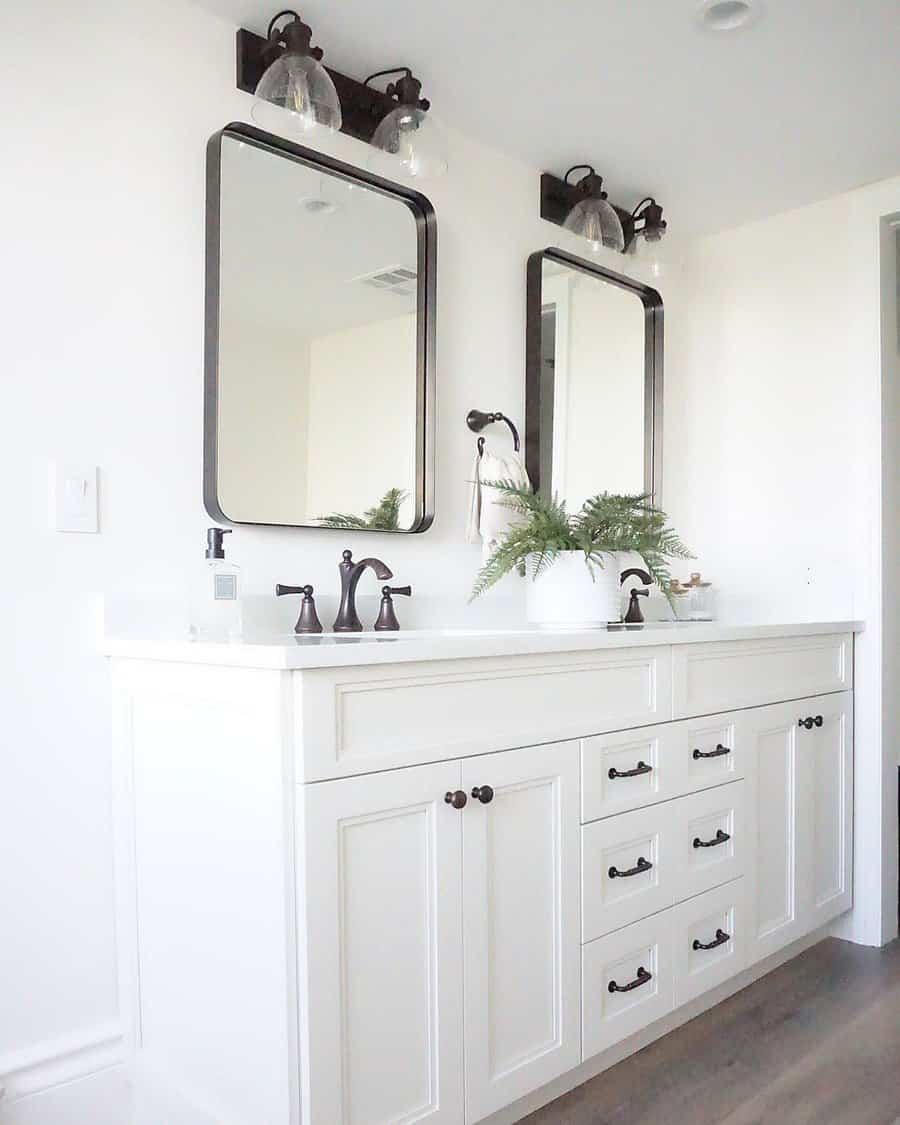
pixel 296 93
pixel 596 220
pixel 412 139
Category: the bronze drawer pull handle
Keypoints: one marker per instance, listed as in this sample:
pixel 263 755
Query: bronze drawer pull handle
pixel 719 838
pixel 717 753
pixel 720 939
pixel 640 768
pixel 640 867
pixel 642 977
pixel 457 800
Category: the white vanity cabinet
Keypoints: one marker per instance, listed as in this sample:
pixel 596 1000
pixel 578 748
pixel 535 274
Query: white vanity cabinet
pixel 802 809
pixel 451 935
pixel 419 881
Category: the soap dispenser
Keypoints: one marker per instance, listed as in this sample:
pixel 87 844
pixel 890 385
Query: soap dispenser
pixel 216 599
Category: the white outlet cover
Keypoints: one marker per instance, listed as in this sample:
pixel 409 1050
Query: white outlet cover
pixel 74 497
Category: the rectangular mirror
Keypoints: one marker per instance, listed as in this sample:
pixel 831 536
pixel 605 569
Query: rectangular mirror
pixel 319 341
pixel 593 411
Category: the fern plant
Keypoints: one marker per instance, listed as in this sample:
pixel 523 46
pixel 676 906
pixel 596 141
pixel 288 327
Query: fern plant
pixel 606 524
pixel 385 516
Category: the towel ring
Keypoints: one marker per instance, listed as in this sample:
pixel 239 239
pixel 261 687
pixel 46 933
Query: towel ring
pixel 476 420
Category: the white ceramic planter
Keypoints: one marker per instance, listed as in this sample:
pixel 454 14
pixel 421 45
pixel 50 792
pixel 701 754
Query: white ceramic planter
pixel 567 593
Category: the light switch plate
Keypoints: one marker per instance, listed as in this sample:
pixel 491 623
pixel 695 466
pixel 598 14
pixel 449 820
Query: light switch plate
pixel 73 497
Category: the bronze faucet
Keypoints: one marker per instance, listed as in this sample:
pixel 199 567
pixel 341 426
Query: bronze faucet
pixel 347 620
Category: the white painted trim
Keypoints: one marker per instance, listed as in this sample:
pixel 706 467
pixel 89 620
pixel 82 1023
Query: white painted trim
pixel 641 1039
pixel 38 1068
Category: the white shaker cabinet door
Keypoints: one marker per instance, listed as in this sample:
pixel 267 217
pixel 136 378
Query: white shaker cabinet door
pixel 521 922
pixel 802 786
pixel 381 972
pixel 826 760
pixel 775 792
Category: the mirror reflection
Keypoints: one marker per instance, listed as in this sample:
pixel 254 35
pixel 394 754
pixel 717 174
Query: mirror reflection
pixel 592 381
pixel 319 384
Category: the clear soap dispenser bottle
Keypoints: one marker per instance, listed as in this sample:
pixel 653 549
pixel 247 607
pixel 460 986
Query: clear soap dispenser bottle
pixel 216 601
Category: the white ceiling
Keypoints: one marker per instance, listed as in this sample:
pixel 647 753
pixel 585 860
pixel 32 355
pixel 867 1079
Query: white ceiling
pixel 268 233
pixel 722 128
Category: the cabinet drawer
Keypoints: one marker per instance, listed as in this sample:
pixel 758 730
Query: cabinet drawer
pixel 627 982
pixel 360 719
pixel 629 769
pixel 712 750
pixel 710 940
pixel 634 768
pixel 710 844
pixel 627 868
pixel 725 675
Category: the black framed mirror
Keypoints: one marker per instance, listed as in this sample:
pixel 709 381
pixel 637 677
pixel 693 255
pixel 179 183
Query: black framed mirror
pixel 594 380
pixel 319 351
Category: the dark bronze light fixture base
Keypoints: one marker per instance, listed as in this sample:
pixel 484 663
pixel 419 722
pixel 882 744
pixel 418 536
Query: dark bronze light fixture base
pixel 362 107
pixel 559 197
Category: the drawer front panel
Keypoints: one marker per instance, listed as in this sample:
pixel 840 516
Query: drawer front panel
pixel 634 768
pixel 627 982
pixel 713 751
pixel 724 675
pixel 627 869
pixel 710 940
pixel 628 769
pixel 359 719
pixel 710 841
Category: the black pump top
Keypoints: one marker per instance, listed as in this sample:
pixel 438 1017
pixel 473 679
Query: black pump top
pixel 214 546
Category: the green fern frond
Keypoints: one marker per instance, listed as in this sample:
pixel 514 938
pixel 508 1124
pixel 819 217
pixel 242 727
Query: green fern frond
pixel 385 516
pixel 607 523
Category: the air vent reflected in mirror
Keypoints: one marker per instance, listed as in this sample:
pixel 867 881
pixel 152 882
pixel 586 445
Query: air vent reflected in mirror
pixel 396 279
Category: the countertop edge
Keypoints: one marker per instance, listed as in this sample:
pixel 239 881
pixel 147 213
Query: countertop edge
pixel 288 654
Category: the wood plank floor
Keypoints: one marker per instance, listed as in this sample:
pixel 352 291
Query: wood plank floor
pixel 817 1042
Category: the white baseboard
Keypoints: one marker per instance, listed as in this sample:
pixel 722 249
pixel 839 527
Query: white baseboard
pixel 45 1065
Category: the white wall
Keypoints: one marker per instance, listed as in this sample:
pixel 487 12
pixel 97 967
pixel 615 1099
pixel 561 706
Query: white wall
pixel 773 460
pixel 102 303
pixel 362 409
pixel 770 465
pixel 264 413
pixel 603 426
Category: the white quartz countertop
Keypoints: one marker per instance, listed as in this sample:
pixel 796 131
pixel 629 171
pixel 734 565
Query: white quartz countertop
pixel 334 650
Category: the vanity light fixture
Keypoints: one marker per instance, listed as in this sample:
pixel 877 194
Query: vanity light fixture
pixel 407 132
pixel 584 208
pixel 593 216
pixel 294 79
pixel 284 72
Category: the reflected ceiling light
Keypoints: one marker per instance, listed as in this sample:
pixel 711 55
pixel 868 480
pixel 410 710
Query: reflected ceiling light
pixel 294 80
pixel 583 207
pixel 407 133
pixel 727 15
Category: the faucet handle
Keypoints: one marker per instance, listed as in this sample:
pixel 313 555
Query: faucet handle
pixel 308 621
pixel 387 618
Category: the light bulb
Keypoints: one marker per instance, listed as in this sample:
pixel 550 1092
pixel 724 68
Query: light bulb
pixel 411 138
pixel 595 219
pixel 296 94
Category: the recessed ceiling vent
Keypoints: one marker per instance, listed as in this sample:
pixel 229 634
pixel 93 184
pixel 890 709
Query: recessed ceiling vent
pixel 393 279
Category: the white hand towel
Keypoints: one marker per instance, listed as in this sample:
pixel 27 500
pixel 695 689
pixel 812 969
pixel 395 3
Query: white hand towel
pixel 489 519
